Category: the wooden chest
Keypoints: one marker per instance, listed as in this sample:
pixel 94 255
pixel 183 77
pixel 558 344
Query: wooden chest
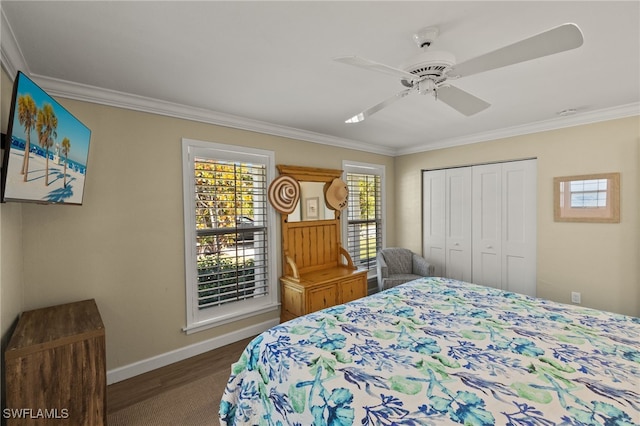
pixel 55 367
pixel 321 289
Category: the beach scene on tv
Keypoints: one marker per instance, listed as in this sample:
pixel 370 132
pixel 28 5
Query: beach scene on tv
pixel 49 149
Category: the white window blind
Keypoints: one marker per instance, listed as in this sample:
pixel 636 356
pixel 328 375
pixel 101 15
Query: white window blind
pixel 230 274
pixel 364 216
pixel 231 231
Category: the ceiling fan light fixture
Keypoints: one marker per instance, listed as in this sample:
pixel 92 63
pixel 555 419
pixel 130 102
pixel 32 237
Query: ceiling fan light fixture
pixel 426 86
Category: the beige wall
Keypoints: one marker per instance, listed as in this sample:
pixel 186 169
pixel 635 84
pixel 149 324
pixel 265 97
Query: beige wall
pixel 11 252
pixel 11 267
pixel 598 260
pixel 125 245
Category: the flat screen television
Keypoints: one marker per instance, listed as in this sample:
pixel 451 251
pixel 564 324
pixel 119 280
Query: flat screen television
pixel 46 149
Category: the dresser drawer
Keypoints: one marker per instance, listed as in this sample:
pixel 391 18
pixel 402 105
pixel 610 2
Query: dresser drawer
pixel 353 288
pixel 322 297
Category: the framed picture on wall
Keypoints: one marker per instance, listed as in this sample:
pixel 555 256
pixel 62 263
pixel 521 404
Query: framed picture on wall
pixel 311 207
pixel 587 198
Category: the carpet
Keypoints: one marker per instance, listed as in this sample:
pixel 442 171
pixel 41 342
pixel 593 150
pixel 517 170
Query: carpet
pixel 194 404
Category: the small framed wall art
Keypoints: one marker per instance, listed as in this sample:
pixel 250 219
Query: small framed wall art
pixel 587 198
pixel 311 205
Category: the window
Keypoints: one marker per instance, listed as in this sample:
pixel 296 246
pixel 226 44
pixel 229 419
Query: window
pixel 229 273
pixel 365 213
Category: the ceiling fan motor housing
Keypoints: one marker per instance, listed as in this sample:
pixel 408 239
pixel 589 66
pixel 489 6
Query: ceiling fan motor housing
pixel 431 64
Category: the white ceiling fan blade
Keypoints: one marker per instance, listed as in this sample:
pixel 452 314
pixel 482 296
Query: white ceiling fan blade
pixel 556 40
pixel 461 101
pixel 370 111
pixel 375 66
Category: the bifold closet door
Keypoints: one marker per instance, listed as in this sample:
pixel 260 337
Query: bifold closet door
pixel 504 226
pixel 433 219
pixel 447 222
pixel 487 225
pixel 458 224
pixel 519 220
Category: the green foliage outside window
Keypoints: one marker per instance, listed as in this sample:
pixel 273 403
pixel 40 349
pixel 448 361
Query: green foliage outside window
pixel 220 275
pixel 224 192
pixel 367 197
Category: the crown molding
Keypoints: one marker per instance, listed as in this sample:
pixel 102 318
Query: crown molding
pixel 10 53
pixel 12 60
pixel 81 92
pixel 92 94
pixel 606 114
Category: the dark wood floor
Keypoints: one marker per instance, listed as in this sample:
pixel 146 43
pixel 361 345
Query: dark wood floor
pixel 131 391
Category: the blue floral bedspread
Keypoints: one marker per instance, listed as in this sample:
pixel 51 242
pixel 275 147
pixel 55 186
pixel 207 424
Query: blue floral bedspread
pixel 440 351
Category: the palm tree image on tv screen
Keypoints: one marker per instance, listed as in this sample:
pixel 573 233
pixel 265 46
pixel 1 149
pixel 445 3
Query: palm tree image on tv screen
pixel 46 160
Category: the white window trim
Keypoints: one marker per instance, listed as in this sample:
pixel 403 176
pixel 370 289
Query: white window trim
pixel 196 319
pixel 374 169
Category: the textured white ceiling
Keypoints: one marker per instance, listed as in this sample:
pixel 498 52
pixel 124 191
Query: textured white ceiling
pixel 271 62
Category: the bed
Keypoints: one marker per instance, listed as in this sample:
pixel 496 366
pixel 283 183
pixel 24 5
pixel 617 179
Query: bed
pixel 440 351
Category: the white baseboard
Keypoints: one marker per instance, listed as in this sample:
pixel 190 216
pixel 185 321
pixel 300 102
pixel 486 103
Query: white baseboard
pixel 126 372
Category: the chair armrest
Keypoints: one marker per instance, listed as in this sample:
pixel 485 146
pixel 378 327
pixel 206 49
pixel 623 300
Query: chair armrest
pixel 381 266
pixel 421 266
pixel 295 274
pixel 347 257
pixel 382 271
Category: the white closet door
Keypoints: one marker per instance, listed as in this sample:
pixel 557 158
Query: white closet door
pixel 487 225
pixel 479 224
pixel 504 226
pixel 458 224
pixel 433 219
pixel 519 227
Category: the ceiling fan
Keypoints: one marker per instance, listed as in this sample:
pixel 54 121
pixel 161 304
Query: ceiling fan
pixel 429 72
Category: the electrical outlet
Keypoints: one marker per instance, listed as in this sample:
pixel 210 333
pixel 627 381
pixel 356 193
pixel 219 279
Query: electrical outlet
pixel 575 297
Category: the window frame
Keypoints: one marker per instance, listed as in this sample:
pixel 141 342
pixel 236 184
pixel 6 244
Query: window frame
pixel 201 319
pixel 372 169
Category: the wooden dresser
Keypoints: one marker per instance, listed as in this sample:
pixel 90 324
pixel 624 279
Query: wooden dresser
pixel 55 367
pixel 318 271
